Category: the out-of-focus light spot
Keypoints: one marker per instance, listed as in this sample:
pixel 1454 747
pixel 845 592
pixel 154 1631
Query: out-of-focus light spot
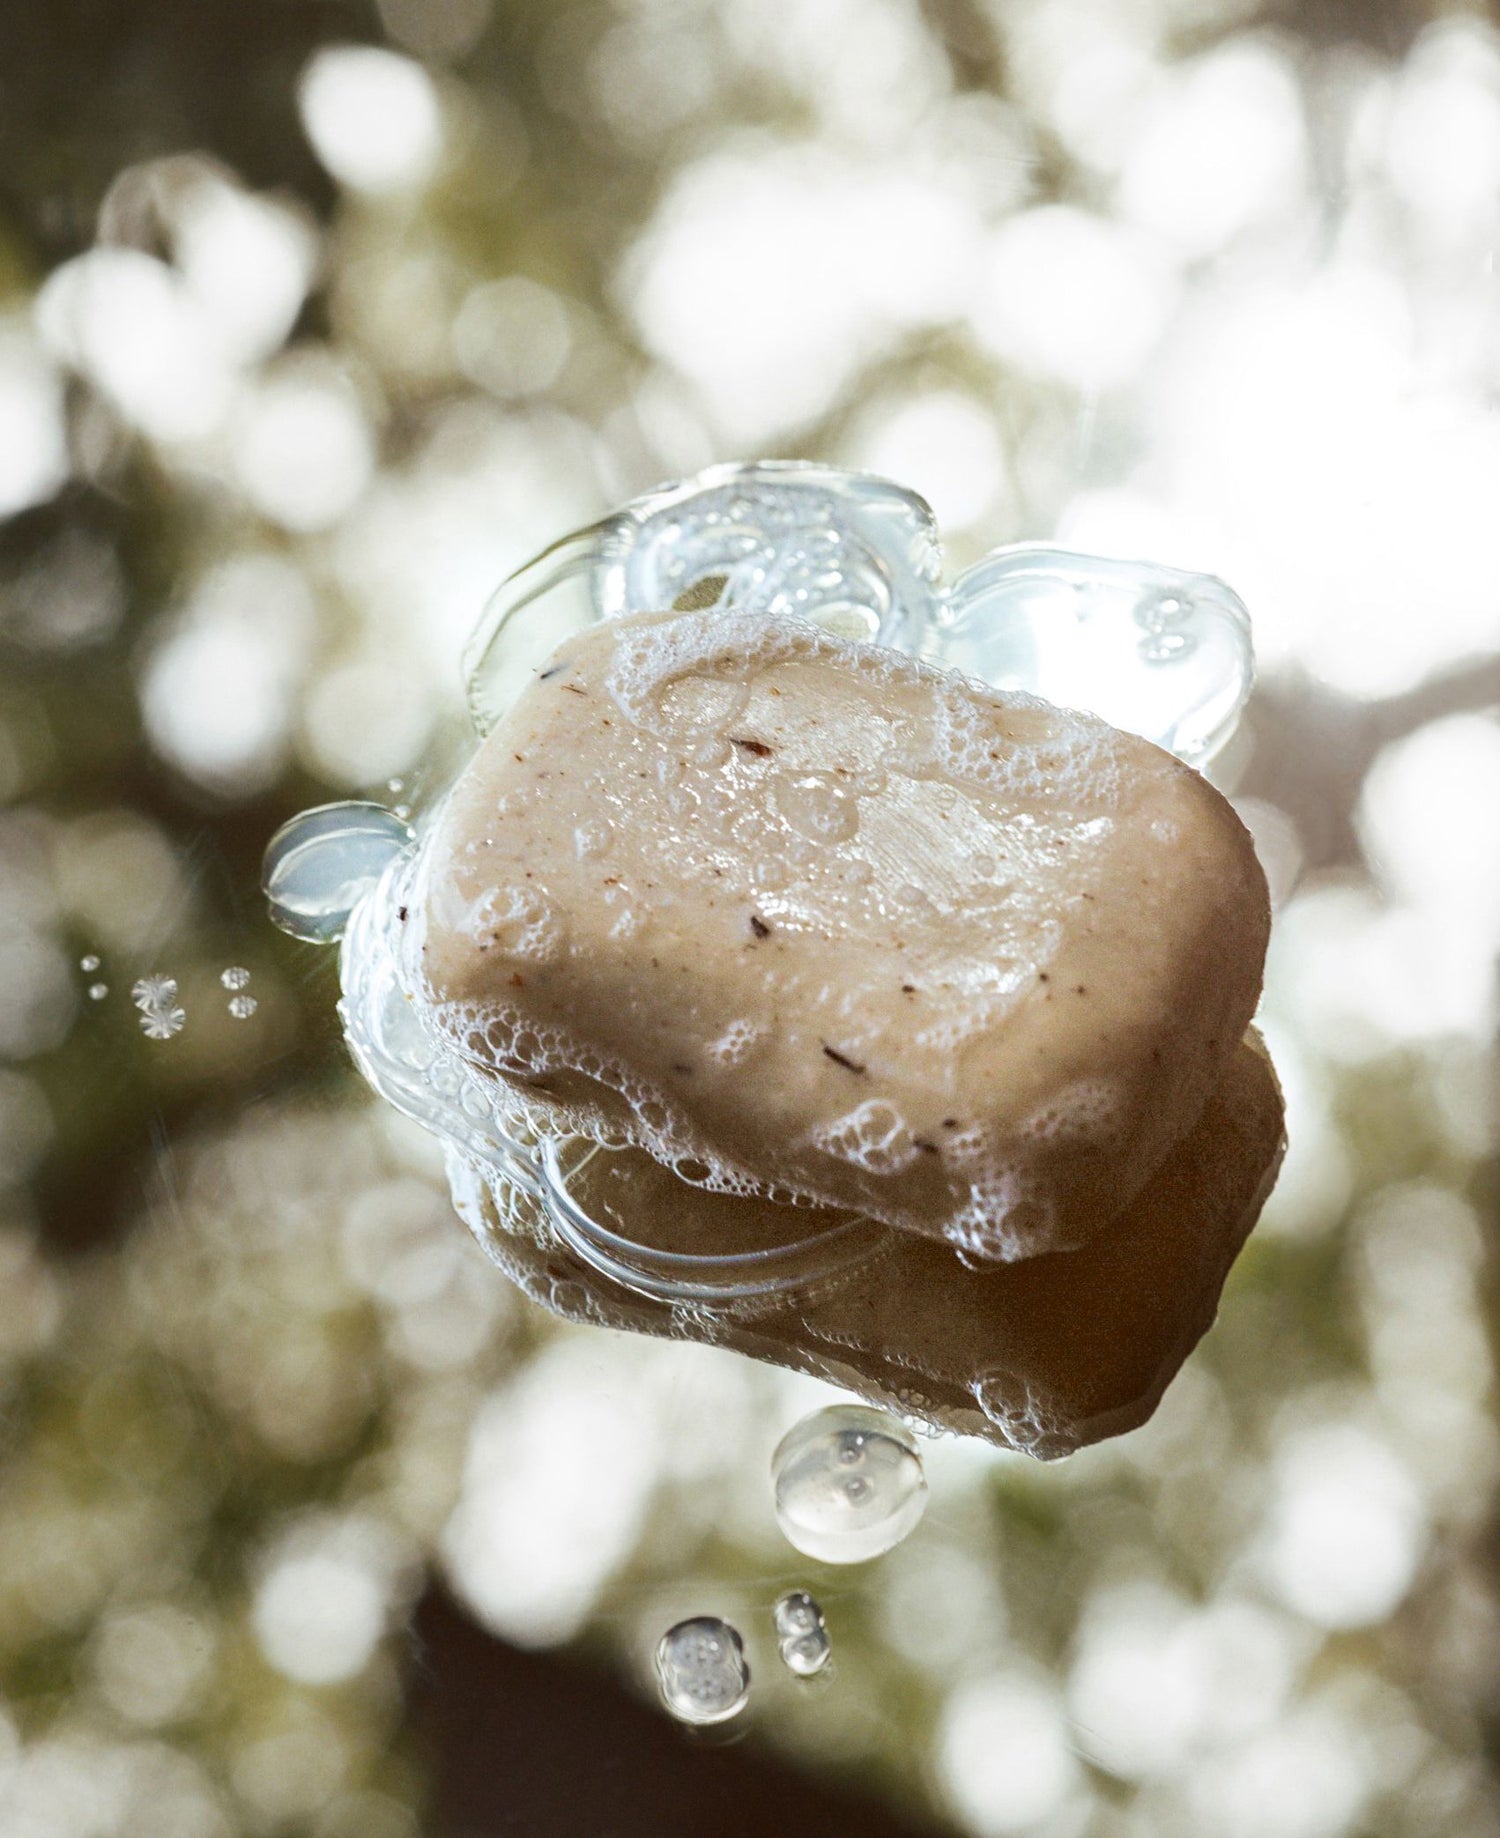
pixel 1137 1692
pixel 33 1300
pixel 216 692
pixel 559 1473
pixel 247 261
pixel 1423 812
pixel 372 117
pixel 1221 148
pixel 769 276
pixel 1290 421
pixel 941 1607
pixel 399 1240
pixel 128 323
pixel 1345 1530
pixel 1308 1777
pixel 943 445
pixel 366 720
pixel 426 549
pixel 1351 975
pixel 303 449
pixel 321 1605
pixel 288 1774
pixel 512 336
pixel 1277 845
pixel 1091 70
pixel 649 76
pixel 25 1127
pixel 1443 145
pixel 37 996
pixel 152 1662
pixel 1002 1753
pixel 33 432
pixel 73 1784
pixel 1072 296
pixel 72 595
pixel 119 877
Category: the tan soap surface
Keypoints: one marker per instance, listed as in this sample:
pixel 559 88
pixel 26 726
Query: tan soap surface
pixel 807 917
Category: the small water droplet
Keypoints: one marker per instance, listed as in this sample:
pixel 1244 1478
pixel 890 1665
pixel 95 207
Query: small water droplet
pixel 394 786
pixel 162 1021
pixel 704 1675
pixel 1166 647
pixel 815 808
pixel 98 991
pixel 242 1007
pixel 848 1483
pixel 153 991
pixel 318 866
pixel 802 1633
pixel 403 811
pixel 235 977
pixel 89 963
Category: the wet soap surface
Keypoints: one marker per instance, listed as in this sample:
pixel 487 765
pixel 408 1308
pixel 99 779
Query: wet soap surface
pixel 806 917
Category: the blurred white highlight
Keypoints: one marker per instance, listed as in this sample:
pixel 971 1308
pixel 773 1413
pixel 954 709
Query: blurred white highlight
pixel 372 117
pixel 33 433
pixel 1345 1530
pixel 1002 1753
pixel 560 1469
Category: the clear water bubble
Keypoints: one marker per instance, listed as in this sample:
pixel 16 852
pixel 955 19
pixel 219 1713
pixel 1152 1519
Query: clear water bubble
pixel 89 963
pixel 848 1483
pixel 235 977
pixel 319 865
pixel 704 1675
pixel 161 1021
pixel 98 991
pixel 802 1633
pixel 815 807
pixel 242 1007
pixel 153 991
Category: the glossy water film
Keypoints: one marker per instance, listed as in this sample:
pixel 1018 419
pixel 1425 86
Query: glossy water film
pixel 802 1634
pixel 702 1670
pixel 1160 651
pixel 318 866
pixel 848 1484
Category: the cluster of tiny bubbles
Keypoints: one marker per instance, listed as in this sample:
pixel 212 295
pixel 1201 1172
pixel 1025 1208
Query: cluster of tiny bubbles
pixel 162 1015
pixel 320 864
pixel 848 1483
pixel 88 965
pixel 704 1675
pixel 1159 616
pixel 241 1006
pixel 802 1633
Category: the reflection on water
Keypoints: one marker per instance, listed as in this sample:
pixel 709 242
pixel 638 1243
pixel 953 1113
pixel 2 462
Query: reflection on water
pixel 282 396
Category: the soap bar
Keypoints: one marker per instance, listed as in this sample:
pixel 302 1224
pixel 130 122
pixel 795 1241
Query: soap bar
pixel 1042 1356
pixel 808 919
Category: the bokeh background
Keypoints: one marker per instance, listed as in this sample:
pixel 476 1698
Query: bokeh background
pixel 315 319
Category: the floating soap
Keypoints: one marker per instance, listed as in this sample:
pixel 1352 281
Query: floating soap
pixel 807 920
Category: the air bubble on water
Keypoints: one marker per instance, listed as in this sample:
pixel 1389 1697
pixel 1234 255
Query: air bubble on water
pixel 153 991
pixel 403 811
pixel 815 807
pixel 802 1633
pixel 160 1021
pixel 89 963
pixel 235 977
pixel 1166 647
pixel 395 786
pixel 848 1483
pixel 704 1675
pixel 318 866
pixel 98 991
pixel 242 1007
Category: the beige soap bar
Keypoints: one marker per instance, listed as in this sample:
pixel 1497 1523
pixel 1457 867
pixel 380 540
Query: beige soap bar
pixel 805 917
